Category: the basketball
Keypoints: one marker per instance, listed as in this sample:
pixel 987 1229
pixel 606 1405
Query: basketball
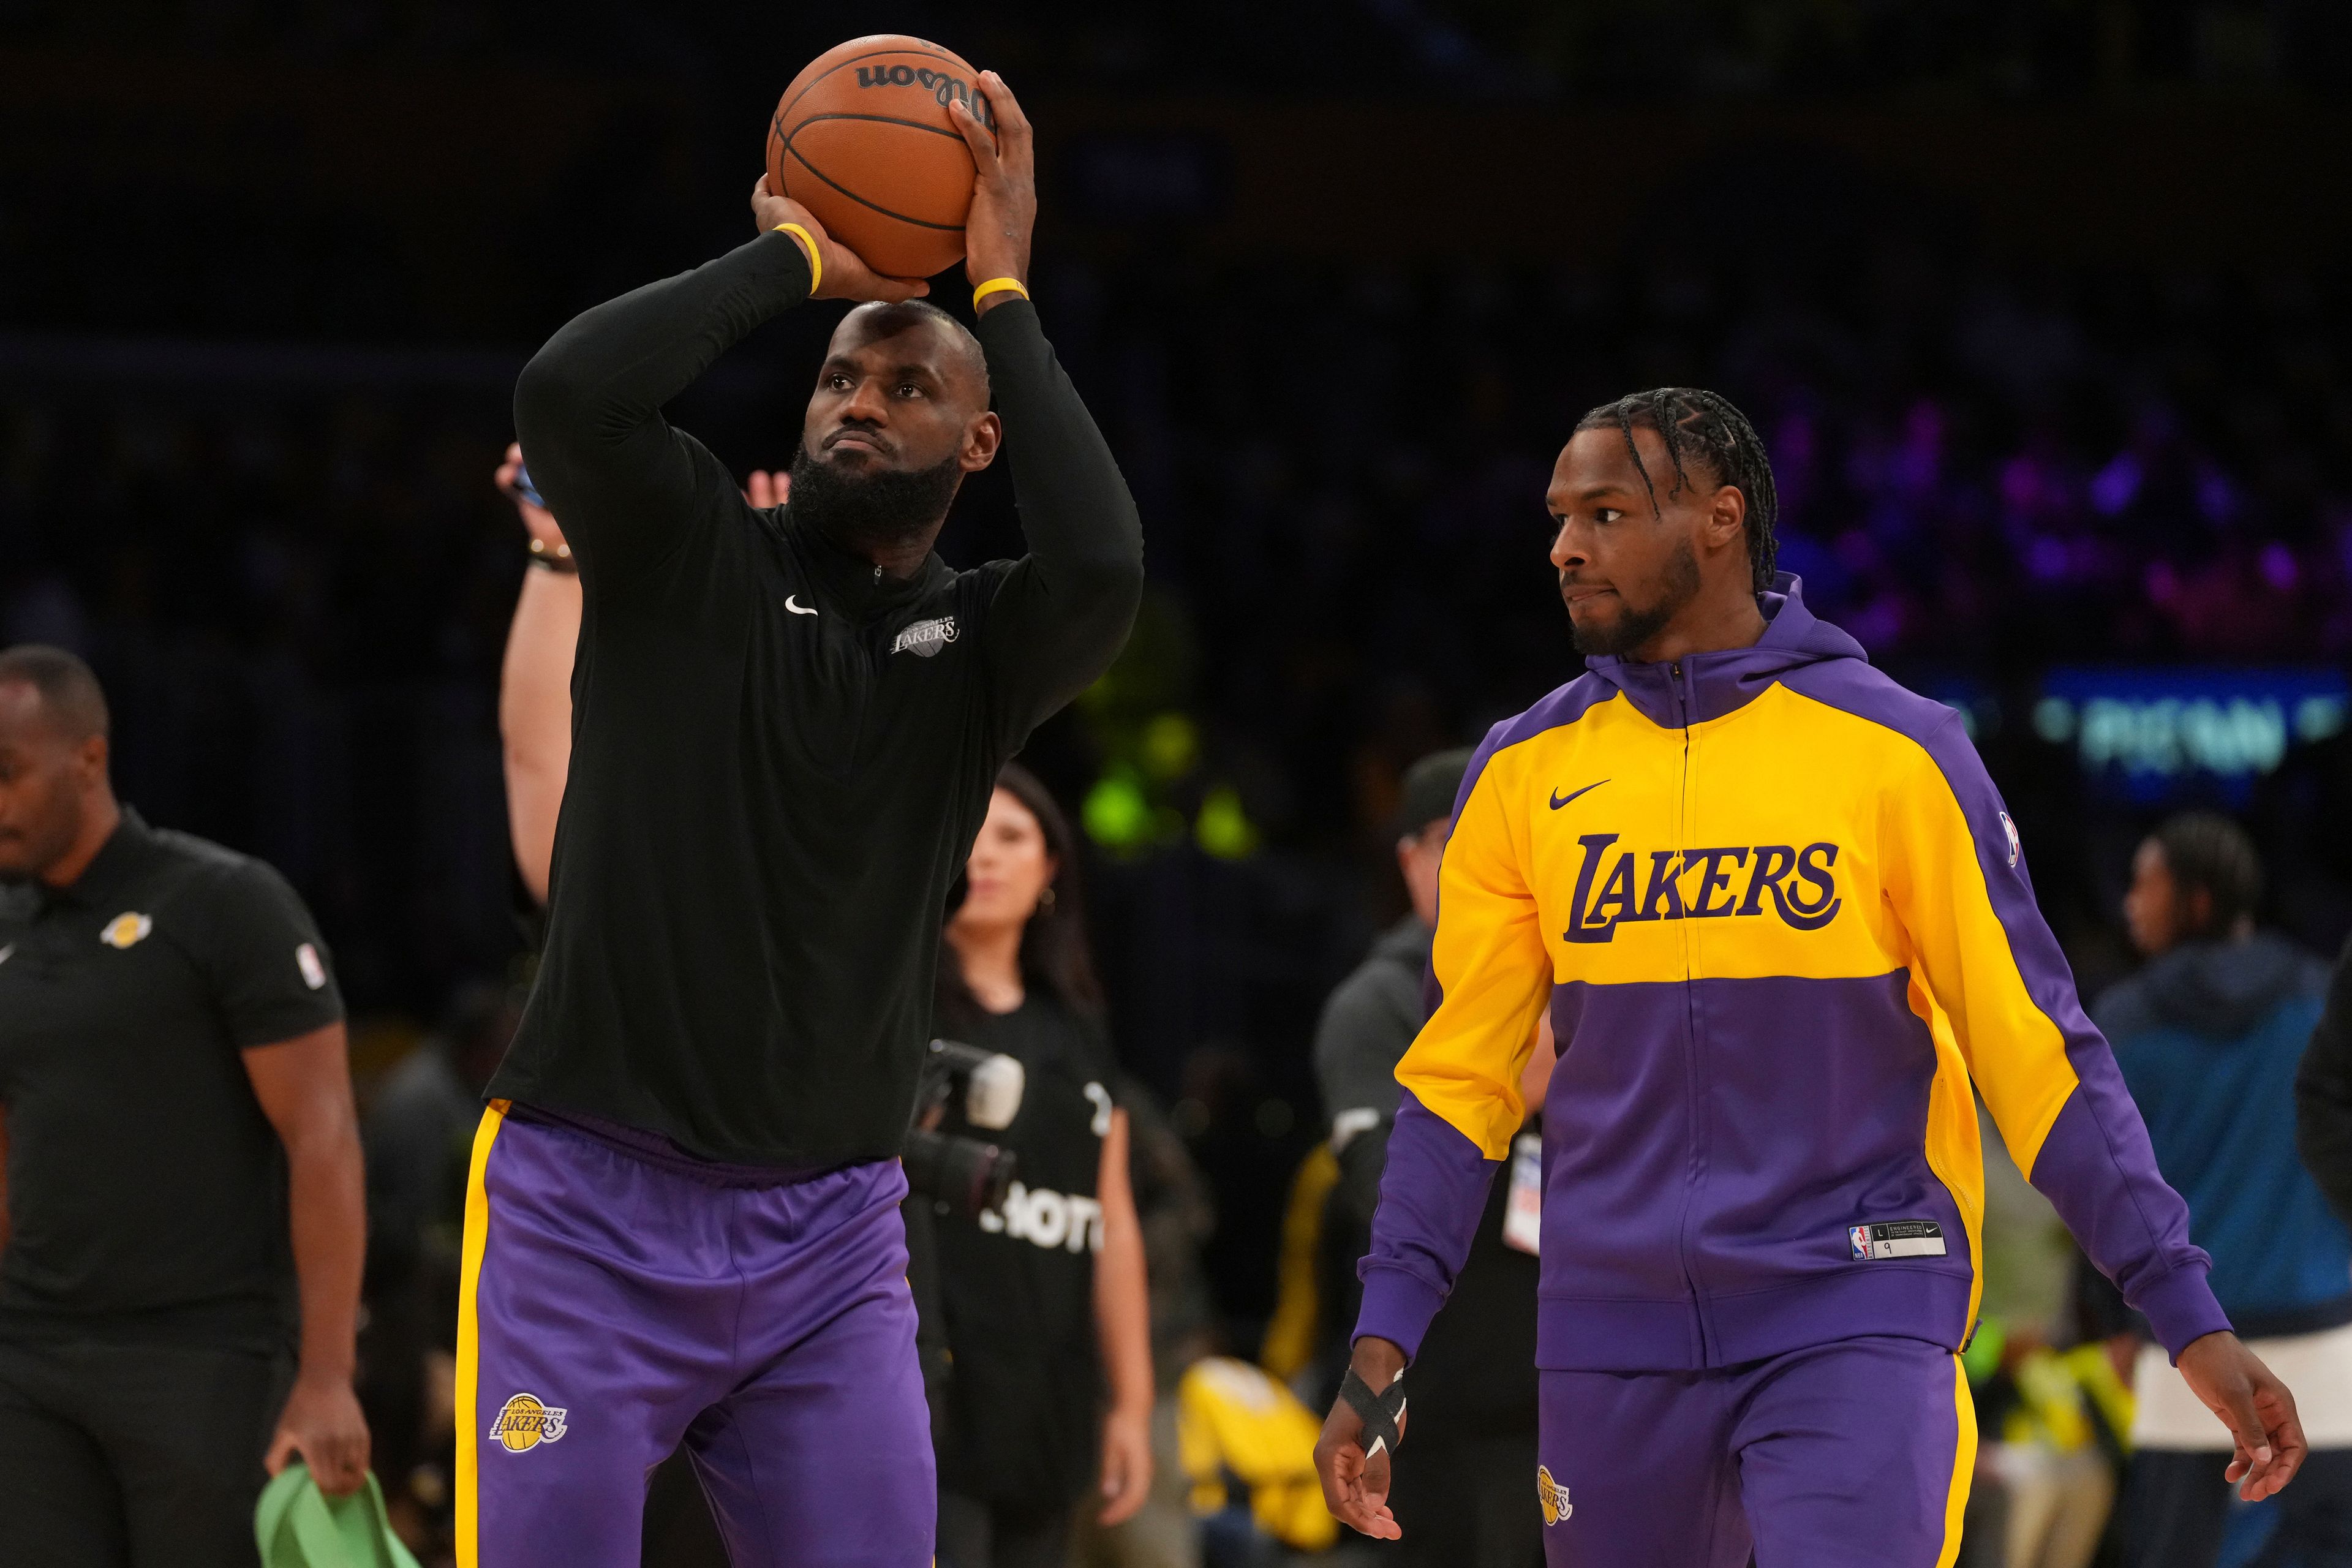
pixel 862 139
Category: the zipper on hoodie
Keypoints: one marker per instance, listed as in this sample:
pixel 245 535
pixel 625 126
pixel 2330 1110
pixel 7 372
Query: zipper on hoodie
pixel 1693 1168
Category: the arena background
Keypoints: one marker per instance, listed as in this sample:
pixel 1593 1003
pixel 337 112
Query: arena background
pixel 2038 303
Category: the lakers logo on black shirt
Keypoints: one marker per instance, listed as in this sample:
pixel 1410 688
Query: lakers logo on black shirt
pixel 127 930
pixel 525 1422
pixel 925 638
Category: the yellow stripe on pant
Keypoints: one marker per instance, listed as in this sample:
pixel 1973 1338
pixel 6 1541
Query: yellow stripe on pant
pixel 1964 1464
pixel 469 1347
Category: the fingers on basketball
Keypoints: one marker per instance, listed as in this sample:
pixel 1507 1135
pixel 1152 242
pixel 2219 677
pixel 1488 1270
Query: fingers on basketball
pixel 1006 108
pixel 976 136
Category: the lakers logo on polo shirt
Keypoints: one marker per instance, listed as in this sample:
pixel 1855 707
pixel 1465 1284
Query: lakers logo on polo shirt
pixel 524 1421
pixel 127 930
pixel 1553 1496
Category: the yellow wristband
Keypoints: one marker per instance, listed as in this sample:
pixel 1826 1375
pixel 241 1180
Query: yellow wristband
pixel 808 243
pixel 998 286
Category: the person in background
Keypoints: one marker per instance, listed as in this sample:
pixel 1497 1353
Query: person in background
pixel 1465 1499
pixel 2209 1036
pixel 1045 1295
pixel 2323 1093
pixel 417 1131
pixel 183 1195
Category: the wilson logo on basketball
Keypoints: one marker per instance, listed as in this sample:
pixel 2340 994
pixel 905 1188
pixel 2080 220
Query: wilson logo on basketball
pixel 943 86
pixel 524 1423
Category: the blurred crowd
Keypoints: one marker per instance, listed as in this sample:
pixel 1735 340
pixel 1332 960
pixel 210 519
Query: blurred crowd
pixel 294 578
pixel 2012 48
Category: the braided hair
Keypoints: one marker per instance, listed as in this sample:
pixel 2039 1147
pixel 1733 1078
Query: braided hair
pixel 1703 429
pixel 2205 850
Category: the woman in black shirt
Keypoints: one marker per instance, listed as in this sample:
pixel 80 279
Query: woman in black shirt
pixel 1043 1298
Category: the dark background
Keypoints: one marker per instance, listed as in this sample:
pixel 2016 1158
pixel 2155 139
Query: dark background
pixel 2039 306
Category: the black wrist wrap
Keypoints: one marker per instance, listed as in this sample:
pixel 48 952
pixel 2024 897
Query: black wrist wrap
pixel 1379 1411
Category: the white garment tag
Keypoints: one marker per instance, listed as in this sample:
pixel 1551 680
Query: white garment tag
pixel 1523 1215
pixel 1898 1238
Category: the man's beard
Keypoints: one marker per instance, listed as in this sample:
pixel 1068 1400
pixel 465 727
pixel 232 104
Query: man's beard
pixel 879 508
pixel 1635 628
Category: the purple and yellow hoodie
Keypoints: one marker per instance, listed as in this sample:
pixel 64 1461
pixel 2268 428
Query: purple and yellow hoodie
pixel 1782 924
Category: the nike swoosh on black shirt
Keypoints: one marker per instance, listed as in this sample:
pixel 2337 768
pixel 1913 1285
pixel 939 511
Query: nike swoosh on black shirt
pixel 1559 800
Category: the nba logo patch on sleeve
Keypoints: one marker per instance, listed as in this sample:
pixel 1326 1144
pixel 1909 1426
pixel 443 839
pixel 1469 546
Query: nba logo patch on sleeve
pixel 2008 831
pixel 314 972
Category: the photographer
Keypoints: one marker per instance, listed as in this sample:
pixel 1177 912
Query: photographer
pixel 1043 1294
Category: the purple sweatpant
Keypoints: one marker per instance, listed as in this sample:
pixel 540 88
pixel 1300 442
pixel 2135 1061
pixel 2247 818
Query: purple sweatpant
pixel 1855 1454
pixel 613 1306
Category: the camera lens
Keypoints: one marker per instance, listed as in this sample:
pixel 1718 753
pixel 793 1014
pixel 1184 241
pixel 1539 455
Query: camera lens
pixel 968 1175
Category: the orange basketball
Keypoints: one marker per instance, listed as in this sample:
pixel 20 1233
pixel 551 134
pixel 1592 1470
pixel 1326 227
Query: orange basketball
pixel 862 139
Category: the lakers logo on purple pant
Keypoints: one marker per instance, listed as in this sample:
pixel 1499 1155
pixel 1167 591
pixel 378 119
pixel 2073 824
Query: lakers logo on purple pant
pixel 1553 1496
pixel 525 1421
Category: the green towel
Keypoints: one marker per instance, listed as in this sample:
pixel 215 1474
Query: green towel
pixel 298 1526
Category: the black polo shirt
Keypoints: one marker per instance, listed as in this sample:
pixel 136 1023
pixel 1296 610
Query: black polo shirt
pixel 146 1190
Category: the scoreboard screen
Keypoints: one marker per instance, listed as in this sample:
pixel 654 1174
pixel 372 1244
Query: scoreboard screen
pixel 2151 732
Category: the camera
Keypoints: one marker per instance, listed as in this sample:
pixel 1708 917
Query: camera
pixel 969 1175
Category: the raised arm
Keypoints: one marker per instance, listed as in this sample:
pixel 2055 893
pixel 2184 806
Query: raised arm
pixel 588 406
pixel 535 676
pixel 535 686
pixel 1062 612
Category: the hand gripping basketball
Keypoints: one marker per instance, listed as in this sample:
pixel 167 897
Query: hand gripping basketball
pixel 1003 191
pixel 844 274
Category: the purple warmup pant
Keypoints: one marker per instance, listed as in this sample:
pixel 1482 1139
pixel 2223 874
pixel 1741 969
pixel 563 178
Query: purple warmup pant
pixel 1855 1454
pixel 613 1306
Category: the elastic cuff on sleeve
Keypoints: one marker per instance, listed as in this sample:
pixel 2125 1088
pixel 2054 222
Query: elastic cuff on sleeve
pixel 1398 1307
pixel 2180 1308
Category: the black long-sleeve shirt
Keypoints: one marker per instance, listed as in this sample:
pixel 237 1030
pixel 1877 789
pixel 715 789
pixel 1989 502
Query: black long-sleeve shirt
pixel 2323 1093
pixel 767 807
